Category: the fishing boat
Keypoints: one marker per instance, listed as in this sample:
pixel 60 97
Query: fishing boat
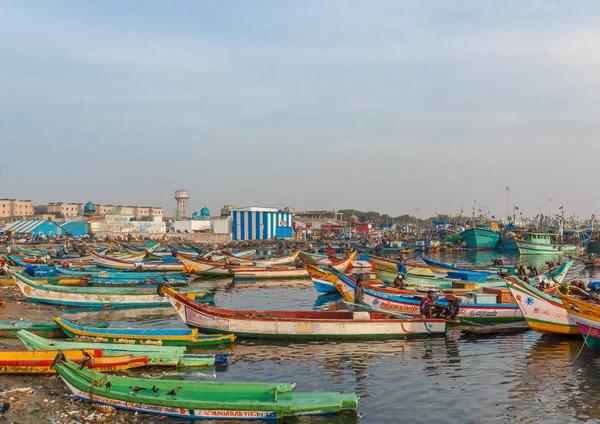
pixel 478 306
pixel 585 313
pixel 336 263
pixel 265 273
pixel 190 399
pixel 97 297
pixel 421 270
pixel 439 266
pixel 204 268
pixel 169 356
pixel 299 324
pixel 51 330
pixel 282 260
pixel 543 244
pixel 125 276
pixel 40 362
pixel 480 238
pixel 223 255
pixel 155 337
pixel 120 264
pixel 543 312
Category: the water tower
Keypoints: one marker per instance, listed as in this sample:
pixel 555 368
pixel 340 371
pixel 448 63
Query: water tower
pixel 182 197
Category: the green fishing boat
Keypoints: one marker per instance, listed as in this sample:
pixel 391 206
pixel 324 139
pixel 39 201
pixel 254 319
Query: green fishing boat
pixel 201 400
pixel 169 356
pixel 140 336
pixel 50 330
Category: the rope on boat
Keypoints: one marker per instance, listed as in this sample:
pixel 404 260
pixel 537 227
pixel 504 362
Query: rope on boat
pixel 584 343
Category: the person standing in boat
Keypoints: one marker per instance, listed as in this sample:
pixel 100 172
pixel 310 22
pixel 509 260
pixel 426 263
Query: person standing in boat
pixel 359 292
pixel 427 304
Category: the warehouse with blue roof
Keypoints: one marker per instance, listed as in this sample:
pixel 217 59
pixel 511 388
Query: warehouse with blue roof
pixel 47 228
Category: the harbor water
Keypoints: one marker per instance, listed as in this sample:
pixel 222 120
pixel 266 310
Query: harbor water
pixel 525 377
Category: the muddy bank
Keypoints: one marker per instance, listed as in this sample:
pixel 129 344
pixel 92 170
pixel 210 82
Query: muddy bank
pixel 45 398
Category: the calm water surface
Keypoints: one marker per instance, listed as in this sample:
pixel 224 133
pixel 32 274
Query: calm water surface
pixel 518 378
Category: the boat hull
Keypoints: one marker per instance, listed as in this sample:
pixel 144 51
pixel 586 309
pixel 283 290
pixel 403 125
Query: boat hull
pixel 394 301
pixel 544 313
pixel 143 337
pixel 293 325
pixel 528 248
pixel 198 400
pixel 481 239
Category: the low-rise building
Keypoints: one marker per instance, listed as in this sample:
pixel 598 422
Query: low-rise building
pixel 12 209
pixel 65 209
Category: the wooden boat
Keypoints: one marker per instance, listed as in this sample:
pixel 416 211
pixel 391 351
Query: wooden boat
pixel 320 280
pixel 408 268
pixel 264 273
pixel 114 263
pixel 557 275
pixel 207 269
pixel 543 312
pixel 202 400
pixel 156 337
pixel 282 260
pixel 169 356
pixel 480 238
pixel 477 307
pixel 51 330
pixel 439 266
pixel 125 276
pixel 97 297
pixel 299 324
pixel 40 362
pixel 542 244
pixel 495 330
pixel 337 263
pixel 222 256
pixel 585 313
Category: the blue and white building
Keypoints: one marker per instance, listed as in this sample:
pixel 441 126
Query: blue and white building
pixel 257 223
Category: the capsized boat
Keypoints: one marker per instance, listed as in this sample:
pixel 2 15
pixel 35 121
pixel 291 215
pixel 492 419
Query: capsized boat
pixel 300 324
pixel 40 362
pixel 157 355
pixel 201 400
pixel 140 336
pixel 476 307
pixel 544 312
pixel 97 297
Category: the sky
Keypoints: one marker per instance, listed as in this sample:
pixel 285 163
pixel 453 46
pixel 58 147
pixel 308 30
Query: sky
pixel 402 107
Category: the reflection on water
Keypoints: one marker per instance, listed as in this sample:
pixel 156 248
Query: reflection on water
pixel 514 378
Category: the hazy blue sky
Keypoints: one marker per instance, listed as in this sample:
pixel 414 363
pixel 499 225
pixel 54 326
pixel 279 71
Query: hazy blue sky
pixel 380 105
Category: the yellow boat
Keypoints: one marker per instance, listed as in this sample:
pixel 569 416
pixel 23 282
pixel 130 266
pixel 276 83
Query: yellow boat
pixel 40 362
pixel 421 270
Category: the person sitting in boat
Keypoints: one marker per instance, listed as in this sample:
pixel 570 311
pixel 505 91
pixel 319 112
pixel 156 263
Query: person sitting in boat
pixel 533 271
pixel 399 281
pixel 521 271
pixel 427 305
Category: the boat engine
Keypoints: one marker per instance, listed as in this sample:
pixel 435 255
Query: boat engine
pixel 449 312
